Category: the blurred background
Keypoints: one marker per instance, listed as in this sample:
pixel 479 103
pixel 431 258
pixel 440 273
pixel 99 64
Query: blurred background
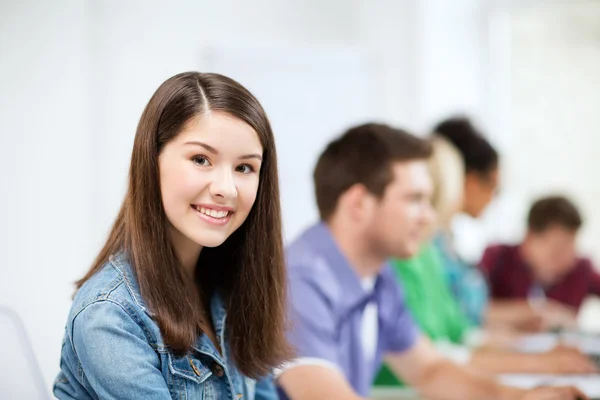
pixel 75 76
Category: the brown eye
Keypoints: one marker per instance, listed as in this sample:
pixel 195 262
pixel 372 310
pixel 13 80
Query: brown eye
pixel 245 169
pixel 200 160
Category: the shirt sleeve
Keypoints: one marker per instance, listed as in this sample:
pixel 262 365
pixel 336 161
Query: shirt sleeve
pixel 312 331
pixel 399 331
pixel 594 284
pixel 117 359
pixel 489 260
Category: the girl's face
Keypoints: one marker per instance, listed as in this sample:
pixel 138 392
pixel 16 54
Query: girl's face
pixel 209 175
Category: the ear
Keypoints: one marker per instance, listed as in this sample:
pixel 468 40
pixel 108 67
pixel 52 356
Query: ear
pixel 358 202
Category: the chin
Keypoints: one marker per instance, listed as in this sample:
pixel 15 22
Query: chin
pixel 476 213
pixel 210 240
pixel 405 253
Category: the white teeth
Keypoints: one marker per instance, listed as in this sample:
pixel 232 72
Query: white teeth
pixel 213 213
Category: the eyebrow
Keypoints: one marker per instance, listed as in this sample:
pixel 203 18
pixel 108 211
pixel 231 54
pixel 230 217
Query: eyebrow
pixel 216 152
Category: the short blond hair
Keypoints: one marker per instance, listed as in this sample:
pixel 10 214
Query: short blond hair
pixel 448 176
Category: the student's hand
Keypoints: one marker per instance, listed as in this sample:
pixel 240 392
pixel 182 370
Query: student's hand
pixel 558 315
pixel 548 315
pixel 567 360
pixel 525 317
pixel 516 314
pixel 530 322
pixel 563 348
pixel 554 393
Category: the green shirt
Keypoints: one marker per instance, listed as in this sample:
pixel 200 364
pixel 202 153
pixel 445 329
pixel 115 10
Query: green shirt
pixel 427 295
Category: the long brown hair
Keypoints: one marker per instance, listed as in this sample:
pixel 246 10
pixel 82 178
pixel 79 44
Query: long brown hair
pixel 248 269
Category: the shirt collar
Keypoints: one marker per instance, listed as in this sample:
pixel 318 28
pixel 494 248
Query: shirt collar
pixel 321 240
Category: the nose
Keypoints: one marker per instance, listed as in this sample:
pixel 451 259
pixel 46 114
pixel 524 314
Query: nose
pixel 223 184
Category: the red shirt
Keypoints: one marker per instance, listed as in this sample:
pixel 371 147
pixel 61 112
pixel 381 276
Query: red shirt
pixel 509 277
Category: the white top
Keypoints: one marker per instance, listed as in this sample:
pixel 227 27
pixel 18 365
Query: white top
pixel 370 322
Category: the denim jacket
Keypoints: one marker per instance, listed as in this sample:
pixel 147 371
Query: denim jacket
pixel 466 282
pixel 113 349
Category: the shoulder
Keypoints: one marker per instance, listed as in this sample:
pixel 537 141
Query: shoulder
pixel 305 264
pixel 390 287
pixel 311 280
pixel 585 266
pixel 301 256
pixel 493 252
pixel 497 248
pixel 112 293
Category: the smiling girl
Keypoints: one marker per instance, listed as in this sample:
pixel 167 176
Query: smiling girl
pixel 186 298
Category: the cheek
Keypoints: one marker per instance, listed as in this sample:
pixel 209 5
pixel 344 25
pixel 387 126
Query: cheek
pixel 179 187
pixel 565 258
pixel 247 193
pixel 490 194
pixel 167 189
pixel 398 219
pixel 414 212
pixel 555 259
pixel 377 221
pixel 481 194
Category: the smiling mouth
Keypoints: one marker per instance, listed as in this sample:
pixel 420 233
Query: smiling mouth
pixel 216 214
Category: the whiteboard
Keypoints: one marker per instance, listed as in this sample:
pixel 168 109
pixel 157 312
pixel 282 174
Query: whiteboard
pixel 310 96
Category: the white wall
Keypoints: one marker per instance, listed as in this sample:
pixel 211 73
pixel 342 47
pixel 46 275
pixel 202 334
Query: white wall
pixel 46 168
pixel 452 54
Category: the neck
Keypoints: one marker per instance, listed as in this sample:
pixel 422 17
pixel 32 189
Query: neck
pixel 355 247
pixel 525 254
pixel 187 252
pixel 443 223
pixel 530 262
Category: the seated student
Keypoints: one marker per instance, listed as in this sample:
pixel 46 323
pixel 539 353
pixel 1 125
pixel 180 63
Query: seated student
pixel 346 308
pixel 435 310
pixel 545 265
pixel 480 181
pixel 175 305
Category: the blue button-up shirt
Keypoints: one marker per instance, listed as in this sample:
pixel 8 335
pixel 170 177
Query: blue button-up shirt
pixel 326 306
pixel 113 349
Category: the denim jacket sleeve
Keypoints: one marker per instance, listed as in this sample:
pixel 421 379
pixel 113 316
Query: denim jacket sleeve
pixel 115 354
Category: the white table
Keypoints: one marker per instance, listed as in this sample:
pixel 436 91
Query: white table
pixel 588 343
pixel 589 384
